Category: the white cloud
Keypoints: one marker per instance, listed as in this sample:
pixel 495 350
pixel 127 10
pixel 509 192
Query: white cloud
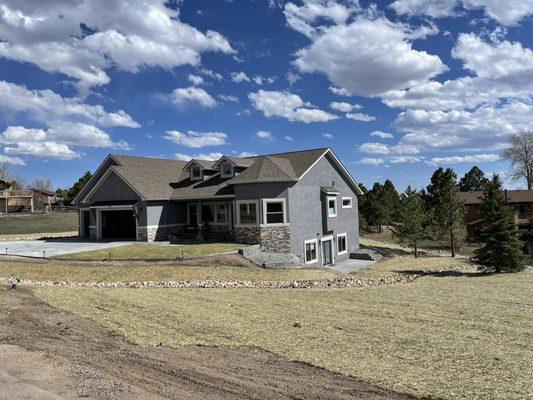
pixel 485 128
pixel 11 160
pixel 202 156
pixel 288 138
pixel 301 18
pixel 239 77
pixel 342 106
pixel 405 149
pixel 211 74
pixel 228 98
pixel 193 139
pixel 374 148
pixel 371 161
pixel 478 158
pixel 247 154
pixel 181 96
pixel 258 79
pixel 360 117
pixel 288 105
pixel 369 56
pixel 42 150
pixel 508 12
pixel 383 135
pixel 327 136
pixel 264 134
pixel 405 159
pixel 195 79
pixel 292 78
pixel 46 105
pixel 340 91
pixel 145 33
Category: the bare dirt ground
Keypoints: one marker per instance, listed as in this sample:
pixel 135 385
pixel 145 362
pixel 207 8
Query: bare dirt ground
pixel 46 353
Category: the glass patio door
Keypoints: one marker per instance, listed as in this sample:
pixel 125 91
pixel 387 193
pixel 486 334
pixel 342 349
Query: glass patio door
pixel 327 252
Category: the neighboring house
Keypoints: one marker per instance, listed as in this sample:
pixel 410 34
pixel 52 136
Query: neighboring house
pixel 302 202
pixel 520 200
pixel 46 197
pixel 12 200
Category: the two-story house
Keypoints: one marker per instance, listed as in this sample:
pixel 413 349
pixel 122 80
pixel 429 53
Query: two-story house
pixel 302 202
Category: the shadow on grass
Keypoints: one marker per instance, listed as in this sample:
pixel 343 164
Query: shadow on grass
pixel 446 274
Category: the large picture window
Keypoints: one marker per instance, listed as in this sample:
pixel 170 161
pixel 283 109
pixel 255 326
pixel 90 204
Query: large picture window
pixel 274 211
pixel 310 248
pixel 332 207
pixel 247 213
pixel 341 244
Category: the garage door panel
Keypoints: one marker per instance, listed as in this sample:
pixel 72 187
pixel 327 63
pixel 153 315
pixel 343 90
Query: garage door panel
pixel 118 224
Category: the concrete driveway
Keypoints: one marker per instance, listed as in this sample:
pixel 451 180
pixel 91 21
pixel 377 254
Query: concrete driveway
pixel 56 246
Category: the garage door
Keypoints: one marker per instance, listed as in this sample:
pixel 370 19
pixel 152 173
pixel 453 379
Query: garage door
pixel 118 224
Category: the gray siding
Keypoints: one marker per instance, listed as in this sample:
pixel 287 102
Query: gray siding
pixel 114 189
pixel 163 213
pixel 306 207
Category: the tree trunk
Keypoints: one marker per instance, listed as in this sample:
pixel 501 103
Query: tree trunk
pixel 416 249
pixel 452 241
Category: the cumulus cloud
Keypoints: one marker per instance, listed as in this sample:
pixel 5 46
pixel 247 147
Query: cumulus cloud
pixel 194 139
pixel 288 138
pixel 11 160
pixel 228 98
pixel 371 161
pixel 342 106
pixel 289 106
pixel 405 159
pixel 46 105
pixel 383 135
pixel 374 148
pixel 264 134
pixel 195 79
pixel 202 156
pixel 369 56
pixel 360 117
pixel 182 96
pixel 239 77
pixel 477 158
pixel 508 12
pixel 327 136
pixel 142 33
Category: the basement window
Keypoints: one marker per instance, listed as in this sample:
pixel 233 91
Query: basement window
pixel 310 247
pixel 341 243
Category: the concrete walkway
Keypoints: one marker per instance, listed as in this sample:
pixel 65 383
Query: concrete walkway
pixel 56 246
pixel 348 266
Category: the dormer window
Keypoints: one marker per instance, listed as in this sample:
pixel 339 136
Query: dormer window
pixel 196 173
pixel 226 170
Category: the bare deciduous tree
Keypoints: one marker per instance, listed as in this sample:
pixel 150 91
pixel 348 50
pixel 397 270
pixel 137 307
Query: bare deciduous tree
pixel 520 154
pixel 42 184
pixel 6 173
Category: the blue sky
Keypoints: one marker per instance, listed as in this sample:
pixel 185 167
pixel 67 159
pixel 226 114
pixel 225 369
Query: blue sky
pixel 396 88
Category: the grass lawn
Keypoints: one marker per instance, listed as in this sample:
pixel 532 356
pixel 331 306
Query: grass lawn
pixel 454 337
pixel 39 223
pixel 155 272
pixel 143 251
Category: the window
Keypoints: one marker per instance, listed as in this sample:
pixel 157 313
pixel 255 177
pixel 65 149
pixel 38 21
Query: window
pixel 341 244
pixel 332 207
pixel 207 213
pixel 247 212
pixel 222 214
pixel 226 170
pixel 274 211
pixel 346 202
pixel 310 247
pixel 196 172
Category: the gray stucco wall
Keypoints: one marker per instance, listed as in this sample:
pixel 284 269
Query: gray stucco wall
pixel 258 191
pixel 306 208
pixel 113 189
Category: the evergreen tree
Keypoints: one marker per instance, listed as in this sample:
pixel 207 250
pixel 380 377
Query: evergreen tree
pixel 412 217
pixel 527 236
pixel 501 251
pixel 447 209
pixel 78 186
pixel 473 181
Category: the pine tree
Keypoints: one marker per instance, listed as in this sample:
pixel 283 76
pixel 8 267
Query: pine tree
pixel 446 207
pixel 502 250
pixel 412 217
pixel 473 181
pixel 527 236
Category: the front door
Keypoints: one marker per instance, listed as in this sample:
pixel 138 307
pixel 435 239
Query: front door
pixel 327 252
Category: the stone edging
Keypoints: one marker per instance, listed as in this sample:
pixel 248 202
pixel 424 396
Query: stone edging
pixel 293 284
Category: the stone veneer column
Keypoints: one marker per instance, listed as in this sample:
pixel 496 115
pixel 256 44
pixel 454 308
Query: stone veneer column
pixel 93 232
pixel 276 239
pixel 248 235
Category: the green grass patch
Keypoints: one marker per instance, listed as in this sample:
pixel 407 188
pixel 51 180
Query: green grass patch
pixel 455 337
pixel 153 252
pixel 155 272
pixel 39 223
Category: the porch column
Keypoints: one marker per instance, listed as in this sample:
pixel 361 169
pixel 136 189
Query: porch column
pixel 31 204
pixel 199 219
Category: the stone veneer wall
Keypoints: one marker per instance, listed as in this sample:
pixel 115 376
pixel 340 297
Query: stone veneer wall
pixel 276 239
pixel 92 232
pixel 157 233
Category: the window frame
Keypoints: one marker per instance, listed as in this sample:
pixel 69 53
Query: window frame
pixel 284 206
pixel 222 174
pixel 328 199
pixel 195 178
pixel 217 208
pixel 306 242
pixel 345 236
pixel 349 205
pixel 238 212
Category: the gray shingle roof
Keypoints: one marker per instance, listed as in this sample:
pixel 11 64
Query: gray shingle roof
pixel 157 178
